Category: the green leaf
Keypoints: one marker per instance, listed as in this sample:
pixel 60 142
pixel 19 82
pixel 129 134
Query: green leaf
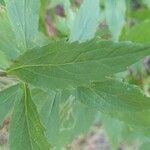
pixel 62 115
pixel 26 130
pixel 85 22
pixel 113 128
pixel 138 33
pixel 75 117
pixel 84 119
pixel 24 17
pixel 7 98
pixel 136 119
pixel 115 16
pixel 64 65
pixel 7 42
pixel 48 106
pixel 114 96
pixel 120 100
pixel 64 25
pixel 140 14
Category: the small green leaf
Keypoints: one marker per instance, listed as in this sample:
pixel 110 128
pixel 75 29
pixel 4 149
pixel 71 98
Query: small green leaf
pixel 7 38
pixel 24 17
pixel 26 130
pixel 86 21
pixel 7 98
pixel 114 96
pixel 115 16
pixel 64 65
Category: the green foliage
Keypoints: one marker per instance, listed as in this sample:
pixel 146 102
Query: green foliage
pixel 76 64
pixel 111 125
pixel 138 32
pixel 25 120
pixel 7 98
pixel 7 43
pixel 68 115
pixel 115 14
pixel 55 88
pixel 113 96
pixel 24 20
pixel 85 23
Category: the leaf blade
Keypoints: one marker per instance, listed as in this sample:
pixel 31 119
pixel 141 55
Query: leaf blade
pixel 7 98
pixel 76 64
pixel 115 16
pixel 26 123
pixel 62 109
pixel 24 16
pixel 7 43
pixel 113 96
pixel 85 23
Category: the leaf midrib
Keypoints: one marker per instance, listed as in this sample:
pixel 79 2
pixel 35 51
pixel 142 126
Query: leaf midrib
pixel 75 62
pixel 26 114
